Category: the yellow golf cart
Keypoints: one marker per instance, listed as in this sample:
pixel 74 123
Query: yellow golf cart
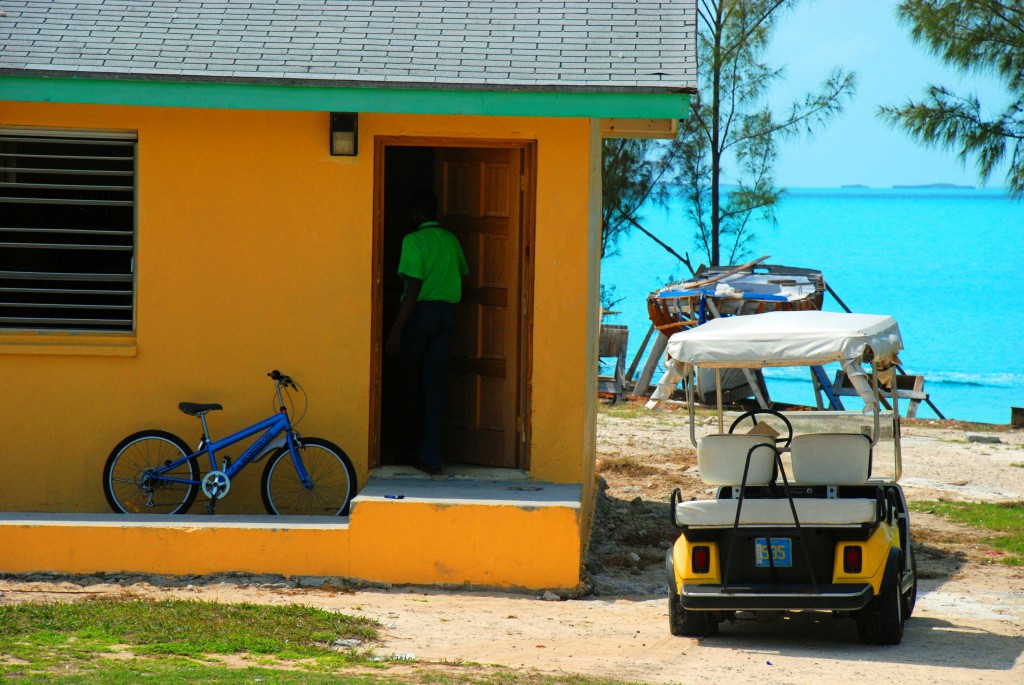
pixel 801 520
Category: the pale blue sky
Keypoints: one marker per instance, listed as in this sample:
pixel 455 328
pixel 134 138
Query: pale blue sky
pixel 859 148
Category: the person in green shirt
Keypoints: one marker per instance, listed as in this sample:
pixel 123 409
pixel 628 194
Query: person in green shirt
pixel 432 264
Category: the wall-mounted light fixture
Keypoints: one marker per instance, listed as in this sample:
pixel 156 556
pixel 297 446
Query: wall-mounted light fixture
pixel 344 133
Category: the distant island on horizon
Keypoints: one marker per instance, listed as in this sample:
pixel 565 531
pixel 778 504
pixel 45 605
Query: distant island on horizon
pixel 919 186
pixel 935 186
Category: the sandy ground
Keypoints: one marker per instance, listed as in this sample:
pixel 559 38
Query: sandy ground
pixel 968 626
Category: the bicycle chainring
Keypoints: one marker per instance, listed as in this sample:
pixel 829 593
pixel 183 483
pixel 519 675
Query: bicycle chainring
pixel 216 484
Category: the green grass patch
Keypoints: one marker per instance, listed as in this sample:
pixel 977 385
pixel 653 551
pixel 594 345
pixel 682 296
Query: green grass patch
pixel 625 410
pixel 182 670
pixel 639 410
pixel 1005 520
pixel 119 642
pixel 176 670
pixel 40 638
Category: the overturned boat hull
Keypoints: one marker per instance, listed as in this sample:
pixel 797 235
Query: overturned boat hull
pixel 752 288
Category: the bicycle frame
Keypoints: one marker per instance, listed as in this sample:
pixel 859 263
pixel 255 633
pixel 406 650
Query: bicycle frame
pixel 273 426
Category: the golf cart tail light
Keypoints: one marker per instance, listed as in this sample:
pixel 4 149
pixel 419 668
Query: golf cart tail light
pixel 701 559
pixel 852 559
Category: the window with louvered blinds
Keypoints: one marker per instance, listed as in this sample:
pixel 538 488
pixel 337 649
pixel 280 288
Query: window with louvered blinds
pixel 67 230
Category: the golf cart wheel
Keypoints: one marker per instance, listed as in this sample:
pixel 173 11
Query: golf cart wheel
pixel 685 623
pixel 675 614
pixel 881 621
pixel 699 623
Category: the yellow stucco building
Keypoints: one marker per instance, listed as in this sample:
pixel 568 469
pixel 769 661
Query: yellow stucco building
pixel 231 241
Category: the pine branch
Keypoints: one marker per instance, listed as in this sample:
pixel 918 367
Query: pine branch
pixel 979 36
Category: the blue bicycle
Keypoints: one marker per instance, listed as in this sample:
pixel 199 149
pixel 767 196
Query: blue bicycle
pixel 155 472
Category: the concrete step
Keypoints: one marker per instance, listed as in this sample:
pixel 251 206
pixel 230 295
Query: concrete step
pixel 404 528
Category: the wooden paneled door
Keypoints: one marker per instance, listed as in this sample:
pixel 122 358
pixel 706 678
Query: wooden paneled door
pixel 479 190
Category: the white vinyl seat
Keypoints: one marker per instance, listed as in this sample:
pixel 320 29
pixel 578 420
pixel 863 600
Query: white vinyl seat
pixel 721 459
pixel 813 512
pixel 831 458
pixel 818 459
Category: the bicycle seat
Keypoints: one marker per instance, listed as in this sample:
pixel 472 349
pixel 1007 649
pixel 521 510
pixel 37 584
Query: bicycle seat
pixel 193 409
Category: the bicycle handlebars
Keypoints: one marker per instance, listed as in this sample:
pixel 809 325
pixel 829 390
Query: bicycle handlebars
pixel 281 378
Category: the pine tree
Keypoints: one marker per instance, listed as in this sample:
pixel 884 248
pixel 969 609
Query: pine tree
pixel 731 120
pixel 730 123
pixel 982 37
pixel 635 172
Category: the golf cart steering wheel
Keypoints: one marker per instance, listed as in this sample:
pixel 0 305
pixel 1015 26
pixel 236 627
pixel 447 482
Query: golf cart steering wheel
pixel 784 440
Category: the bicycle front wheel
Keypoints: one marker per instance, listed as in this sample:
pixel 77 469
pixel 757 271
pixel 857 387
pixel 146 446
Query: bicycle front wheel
pixel 129 482
pixel 331 474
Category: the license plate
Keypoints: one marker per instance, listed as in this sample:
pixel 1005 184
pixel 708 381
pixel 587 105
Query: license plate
pixel 782 553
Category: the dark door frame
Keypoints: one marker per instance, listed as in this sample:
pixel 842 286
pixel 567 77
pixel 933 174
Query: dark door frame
pixel 528 215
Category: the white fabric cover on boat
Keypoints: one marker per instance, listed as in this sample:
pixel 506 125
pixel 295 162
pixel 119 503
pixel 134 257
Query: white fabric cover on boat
pixel 807 338
pixel 721 513
pixel 721 458
pixel 802 338
pixel 793 287
pixel 831 458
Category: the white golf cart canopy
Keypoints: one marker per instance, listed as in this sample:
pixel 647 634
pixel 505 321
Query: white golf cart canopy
pixel 809 338
pixel 801 338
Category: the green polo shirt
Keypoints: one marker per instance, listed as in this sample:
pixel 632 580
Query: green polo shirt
pixel 433 255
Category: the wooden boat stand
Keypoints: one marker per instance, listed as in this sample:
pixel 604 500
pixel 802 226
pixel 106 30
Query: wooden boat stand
pixel 910 387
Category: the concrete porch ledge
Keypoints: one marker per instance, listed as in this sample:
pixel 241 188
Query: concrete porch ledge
pixel 172 545
pixel 454 492
pixel 184 521
pixel 410 529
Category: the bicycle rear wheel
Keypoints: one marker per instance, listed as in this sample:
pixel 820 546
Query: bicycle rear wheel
pixel 330 470
pixel 129 484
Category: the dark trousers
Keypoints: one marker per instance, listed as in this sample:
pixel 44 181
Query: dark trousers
pixel 426 359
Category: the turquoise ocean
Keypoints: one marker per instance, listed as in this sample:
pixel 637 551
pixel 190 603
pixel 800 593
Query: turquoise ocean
pixel 948 264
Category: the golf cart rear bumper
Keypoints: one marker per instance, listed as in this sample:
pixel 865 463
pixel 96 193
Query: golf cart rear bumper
pixel 845 597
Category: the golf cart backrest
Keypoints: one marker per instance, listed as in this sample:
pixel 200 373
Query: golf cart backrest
pixel 831 458
pixel 721 459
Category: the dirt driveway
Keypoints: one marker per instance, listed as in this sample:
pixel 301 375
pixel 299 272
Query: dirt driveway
pixel 959 634
pixel 968 626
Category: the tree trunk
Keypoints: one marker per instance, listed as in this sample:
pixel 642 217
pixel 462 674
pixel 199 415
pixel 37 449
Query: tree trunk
pixel 716 152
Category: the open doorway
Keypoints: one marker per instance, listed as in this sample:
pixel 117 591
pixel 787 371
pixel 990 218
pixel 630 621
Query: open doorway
pixel 483 200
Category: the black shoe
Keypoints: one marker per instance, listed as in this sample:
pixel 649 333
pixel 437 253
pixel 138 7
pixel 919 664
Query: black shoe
pixel 425 467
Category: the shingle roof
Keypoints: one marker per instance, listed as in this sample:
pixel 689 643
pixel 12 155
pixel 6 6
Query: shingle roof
pixel 576 45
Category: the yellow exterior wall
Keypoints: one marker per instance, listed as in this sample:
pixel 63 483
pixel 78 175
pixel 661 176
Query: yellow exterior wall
pixel 594 321
pixel 391 542
pixel 118 546
pixel 253 254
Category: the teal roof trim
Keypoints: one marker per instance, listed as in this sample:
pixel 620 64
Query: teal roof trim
pixel 333 98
